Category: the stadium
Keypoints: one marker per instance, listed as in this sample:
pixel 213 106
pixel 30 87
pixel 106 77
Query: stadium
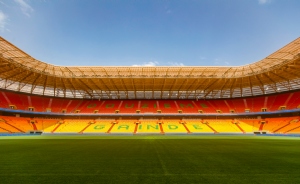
pixel 149 91
pixel 259 98
pixel 169 105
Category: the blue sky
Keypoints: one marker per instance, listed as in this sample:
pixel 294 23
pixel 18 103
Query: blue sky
pixel 149 32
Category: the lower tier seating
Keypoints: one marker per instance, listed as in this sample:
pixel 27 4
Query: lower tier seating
pixel 286 125
pixel 223 126
pixel 196 126
pixel 171 126
pixel 149 126
pixel 124 126
pixel 99 126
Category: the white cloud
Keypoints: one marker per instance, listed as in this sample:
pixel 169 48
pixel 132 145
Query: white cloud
pixel 3 19
pixel 216 62
pixel 150 63
pixel 156 63
pixel 263 1
pixel 220 62
pixel 3 3
pixel 175 64
pixel 25 7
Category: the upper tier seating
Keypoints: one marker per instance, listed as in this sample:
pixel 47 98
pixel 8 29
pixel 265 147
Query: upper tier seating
pixel 39 103
pixel 54 105
pixel 238 105
pixel 205 106
pixel 167 106
pixel 294 101
pixel 258 104
pixel 3 101
pixel 187 106
pixel 280 101
pixel 110 106
pixel 221 106
pixel 89 106
pixel 148 106
pixel 14 99
pixel 129 106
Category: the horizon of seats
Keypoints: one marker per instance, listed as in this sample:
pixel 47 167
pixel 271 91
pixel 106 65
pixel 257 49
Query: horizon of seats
pixel 285 101
pixel 287 125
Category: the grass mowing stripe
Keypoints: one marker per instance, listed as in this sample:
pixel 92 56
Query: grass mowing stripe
pixel 161 161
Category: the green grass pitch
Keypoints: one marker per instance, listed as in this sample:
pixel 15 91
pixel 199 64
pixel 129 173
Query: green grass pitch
pixel 149 159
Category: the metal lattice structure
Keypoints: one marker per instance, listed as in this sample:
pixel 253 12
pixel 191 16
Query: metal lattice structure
pixel 276 73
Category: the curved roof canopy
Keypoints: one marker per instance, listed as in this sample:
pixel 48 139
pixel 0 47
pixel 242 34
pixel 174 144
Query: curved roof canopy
pixel 276 73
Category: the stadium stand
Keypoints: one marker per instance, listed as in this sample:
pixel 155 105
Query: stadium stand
pixel 37 103
pixel 220 105
pixel 239 105
pixel 99 126
pixel 149 126
pixel 168 106
pixel 8 128
pixel 148 106
pixel 173 126
pixel 14 99
pixel 52 127
pixel 205 107
pixel 187 106
pixel 3 102
pixel 59 105
pixel 55 105
pixel 71 126
pixel 21 124
pixel 249 126
pixel 294 130
pixel 196 126
pixel 293 125
pixel 43 124
pixel 294 101
pixel 116 100
pixel 275 124
pixel 129 106
pixel 223 126
pixel 124 126
pixel 90 106
pixel 284 125
pixel 110 106
pixel 258 104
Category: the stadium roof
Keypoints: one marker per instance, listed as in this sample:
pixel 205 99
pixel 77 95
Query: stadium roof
pixel 276 73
